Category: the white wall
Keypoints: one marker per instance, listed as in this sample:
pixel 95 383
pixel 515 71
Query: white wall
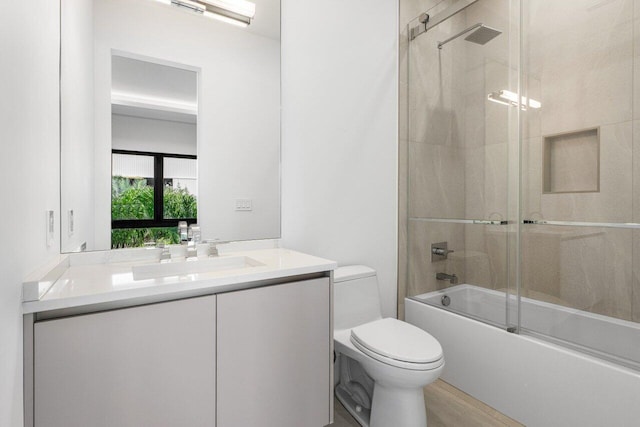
pixel 340 145
pixel 151 135
pixel 239 110
pixel 29 172
pixel 339 133
pixel 77 128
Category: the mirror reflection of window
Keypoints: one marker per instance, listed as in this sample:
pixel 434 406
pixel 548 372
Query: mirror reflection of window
pixel 136 75
pixel 180 188
pixel 154 145
pixel 148 192
pixel 132 182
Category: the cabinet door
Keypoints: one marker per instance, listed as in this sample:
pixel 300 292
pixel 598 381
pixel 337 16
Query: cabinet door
pixel 152 366
pixel 274 356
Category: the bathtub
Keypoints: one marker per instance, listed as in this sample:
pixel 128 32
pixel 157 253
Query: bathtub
pixel 602 336
pixel 567 367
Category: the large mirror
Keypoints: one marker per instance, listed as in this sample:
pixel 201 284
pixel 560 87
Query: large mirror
pixel 170 111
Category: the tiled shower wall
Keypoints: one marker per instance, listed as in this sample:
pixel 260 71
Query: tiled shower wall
pixel 586 79
pixel 454 148
pixel 459 153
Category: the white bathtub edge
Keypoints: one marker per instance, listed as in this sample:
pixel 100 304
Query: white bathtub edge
pixel 532 381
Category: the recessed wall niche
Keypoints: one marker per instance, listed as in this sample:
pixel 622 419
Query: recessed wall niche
pixel 572 162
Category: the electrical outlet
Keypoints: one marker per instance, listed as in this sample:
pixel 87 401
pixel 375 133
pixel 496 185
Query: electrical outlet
pixel 244 205
pixel 50 227
pixel 70 217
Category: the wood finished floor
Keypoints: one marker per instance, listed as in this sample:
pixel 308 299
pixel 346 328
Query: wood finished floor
pixel 446 407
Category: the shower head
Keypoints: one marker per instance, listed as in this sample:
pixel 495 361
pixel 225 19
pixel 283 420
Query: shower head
pixel 480 34
pixel 483 34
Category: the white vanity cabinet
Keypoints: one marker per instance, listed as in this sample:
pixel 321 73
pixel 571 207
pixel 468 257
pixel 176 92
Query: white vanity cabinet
pixel 151 365
pixel 257 357
pixel 275 356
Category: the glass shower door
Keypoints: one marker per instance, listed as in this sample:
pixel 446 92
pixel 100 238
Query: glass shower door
pixel 461 138
pixel 579 173
pixel 522 173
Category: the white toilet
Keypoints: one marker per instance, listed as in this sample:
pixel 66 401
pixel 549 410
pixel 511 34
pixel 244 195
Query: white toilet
pixel 382 365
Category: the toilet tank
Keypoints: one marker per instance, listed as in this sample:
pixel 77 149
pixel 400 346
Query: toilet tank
pixel 356 299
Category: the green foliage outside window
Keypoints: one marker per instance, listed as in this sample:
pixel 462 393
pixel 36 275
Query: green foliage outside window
pixel 179 203
pixel 137 237
pixel 133 199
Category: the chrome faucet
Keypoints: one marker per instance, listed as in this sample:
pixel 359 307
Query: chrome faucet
pixel 452 278
pixel 213 247
pixel 194 237
pixel 165 251
pixel 183 231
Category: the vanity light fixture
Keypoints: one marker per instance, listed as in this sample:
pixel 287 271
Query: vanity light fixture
pixel 506 97
pixel 236 12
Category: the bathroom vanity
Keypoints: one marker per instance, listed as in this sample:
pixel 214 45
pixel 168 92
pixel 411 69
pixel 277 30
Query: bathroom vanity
pixel 154 97
pixel 246 344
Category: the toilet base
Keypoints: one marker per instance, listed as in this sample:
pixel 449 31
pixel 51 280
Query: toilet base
pixel 400 407
pixel 362 416
pixel 391 407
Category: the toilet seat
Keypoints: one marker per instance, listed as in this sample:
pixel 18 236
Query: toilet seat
pixel 398 343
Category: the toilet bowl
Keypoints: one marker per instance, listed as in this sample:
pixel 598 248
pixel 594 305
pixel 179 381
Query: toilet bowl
pixel 382 364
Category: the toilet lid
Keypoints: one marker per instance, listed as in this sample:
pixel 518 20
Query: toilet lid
pixel 398 340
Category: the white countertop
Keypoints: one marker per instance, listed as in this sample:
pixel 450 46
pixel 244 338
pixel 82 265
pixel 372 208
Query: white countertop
pixel 95 283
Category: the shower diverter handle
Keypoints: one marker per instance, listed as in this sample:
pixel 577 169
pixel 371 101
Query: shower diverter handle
pixel 441 251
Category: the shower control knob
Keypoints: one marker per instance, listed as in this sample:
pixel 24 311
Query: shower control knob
pixel 441 251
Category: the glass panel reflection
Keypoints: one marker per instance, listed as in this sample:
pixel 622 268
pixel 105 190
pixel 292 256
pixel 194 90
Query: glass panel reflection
pixel 180 188
pixel 132 187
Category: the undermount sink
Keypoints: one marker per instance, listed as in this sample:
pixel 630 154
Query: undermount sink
pixel 192 266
